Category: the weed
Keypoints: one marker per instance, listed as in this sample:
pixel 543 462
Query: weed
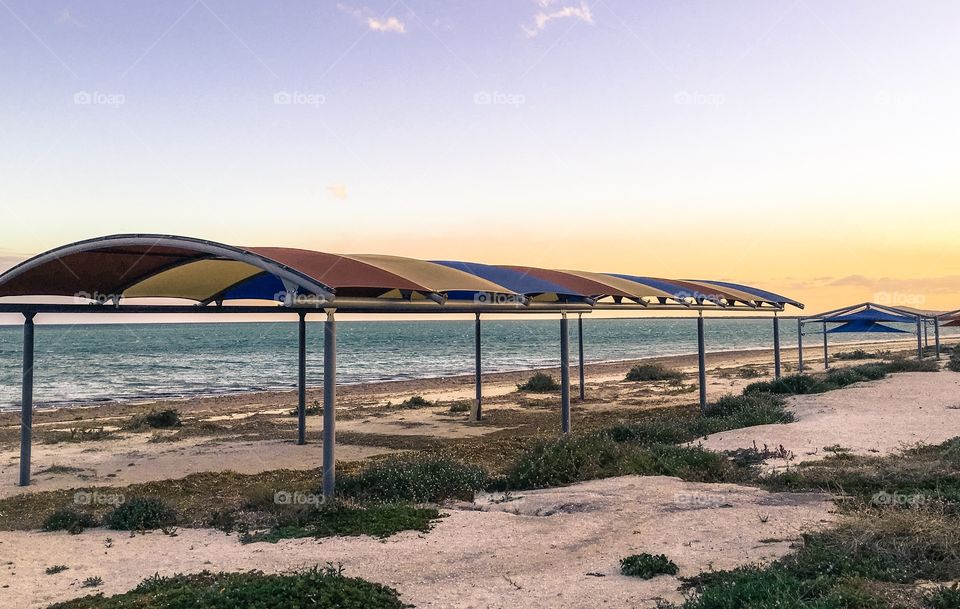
pixel 141 514
pixel 653 372
pixel 647 566
pixel 415 479
pixel 539 383
pixel 69 520
pixel 55 569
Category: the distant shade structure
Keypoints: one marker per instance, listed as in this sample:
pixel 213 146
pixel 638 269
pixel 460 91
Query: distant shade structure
pixel 865 327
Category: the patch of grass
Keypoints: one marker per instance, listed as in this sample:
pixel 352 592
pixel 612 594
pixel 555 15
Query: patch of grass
pixel 954 363
pixel 856 354
pixel 415 479
pixel 314 408
pixel 415 402
pixel 540 382
pixel 838 377
pixel 59 469
pixel 53 570
pixel 854 565
pixel 578 457
pixel 749 372
pixel 460 407
pixel 69 520
pixel 316 588
pixel 647 566
pixel 92 582
pixel 76 434
pixel 943 598
pixel 141 514
pixel 345 520
pixel 653 372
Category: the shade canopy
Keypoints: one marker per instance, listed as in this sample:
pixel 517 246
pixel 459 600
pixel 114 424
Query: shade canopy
pixel 874 315
pixel 865 327
pixel 123 267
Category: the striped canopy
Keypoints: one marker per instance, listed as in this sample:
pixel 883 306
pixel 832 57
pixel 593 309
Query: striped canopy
pixel 122 267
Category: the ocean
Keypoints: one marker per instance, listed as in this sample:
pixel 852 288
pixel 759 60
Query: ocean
pixel 77 364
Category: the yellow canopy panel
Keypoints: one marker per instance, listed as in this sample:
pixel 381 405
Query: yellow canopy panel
pixel 436 277
pixel 194 281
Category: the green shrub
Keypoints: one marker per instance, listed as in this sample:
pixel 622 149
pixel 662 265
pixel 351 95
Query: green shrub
pixel 943 598
pixel 69 520
pixel 416 401
pixel 793 384
pixel 647 566
pixel 539 383
pixel 911 365
pixel 141 514
pixel 853 355
pixel 55 569
pixel 460 407
pixel 345 520
pixel 415 479
pixel 653 372
pixel 317 588
pixel 162 419
pixel 839 377
pixel 954 363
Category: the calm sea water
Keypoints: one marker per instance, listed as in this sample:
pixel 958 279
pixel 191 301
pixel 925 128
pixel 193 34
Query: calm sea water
pixel 89 363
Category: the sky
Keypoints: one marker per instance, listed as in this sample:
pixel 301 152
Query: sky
pixel 805 146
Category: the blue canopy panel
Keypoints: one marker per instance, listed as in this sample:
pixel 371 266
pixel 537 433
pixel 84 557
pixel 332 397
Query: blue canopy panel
pixel 261 287
pixel 874 315
pixel 752 290
pixel 866 327
pixel 516 281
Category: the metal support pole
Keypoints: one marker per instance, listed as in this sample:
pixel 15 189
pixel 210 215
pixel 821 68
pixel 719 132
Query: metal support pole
pixel 800 344
pixel 26 403
pixel 564 374
pixel 478 413
pixel 776 347
pixel 302 381
pixel 919 340
pixel 936 335
pixel 702 363
pixel 926 336
pixel 583 385
pixel 826 353
pixel 329 405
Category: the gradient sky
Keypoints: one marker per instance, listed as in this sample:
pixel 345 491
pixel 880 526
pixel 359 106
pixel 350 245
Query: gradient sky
pixel 802 145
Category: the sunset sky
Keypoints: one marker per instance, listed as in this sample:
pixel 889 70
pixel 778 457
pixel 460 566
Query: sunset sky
pixel 806 146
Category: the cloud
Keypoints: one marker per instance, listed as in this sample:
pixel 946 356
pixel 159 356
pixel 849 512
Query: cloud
pixel 373 22
pixel 552 10
pixel 338 190
pixel 65 17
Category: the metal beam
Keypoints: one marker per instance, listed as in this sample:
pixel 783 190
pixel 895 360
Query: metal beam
pixel 936 335
pixel 800 344
pixel 583 390
pixel 919 340
pixel 26 403
pixel 302 380
pixel 564 374
pixel 478 401
pixel 776 348
pixel 826 350
pixel 329 405
pixel 702 363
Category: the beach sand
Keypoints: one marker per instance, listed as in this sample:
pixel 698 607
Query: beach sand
pixel 553 547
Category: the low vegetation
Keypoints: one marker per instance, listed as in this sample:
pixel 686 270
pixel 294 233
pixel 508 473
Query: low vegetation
pixel 415 402
pixel 954 363
pixel 70 520
pixel 654 372
pixel 347 521
pixel 647 566
pixel 856 354
pixel 415 479
pixel 539 383
pixel 53 570
pixel 325 588
pixel 141 514
pixel 838 377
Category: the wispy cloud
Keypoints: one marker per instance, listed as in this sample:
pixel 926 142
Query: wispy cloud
pixel 373 22
pixel 553 10
pixel 338 190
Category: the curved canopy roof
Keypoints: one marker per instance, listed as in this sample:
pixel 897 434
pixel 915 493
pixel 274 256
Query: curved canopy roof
pixel 164 266
pixel 865 327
